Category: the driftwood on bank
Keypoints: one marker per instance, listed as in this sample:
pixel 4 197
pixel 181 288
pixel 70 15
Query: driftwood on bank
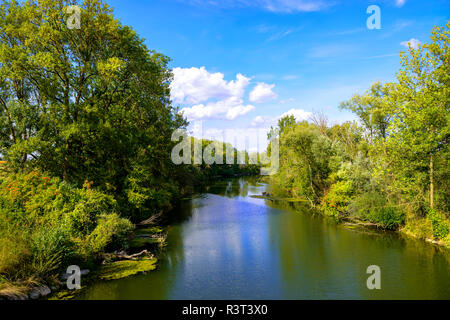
pixel 122 255
pixel 152 220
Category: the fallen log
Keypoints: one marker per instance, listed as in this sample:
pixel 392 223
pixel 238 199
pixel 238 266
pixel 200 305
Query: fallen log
pixel 122 255
pixel 152 220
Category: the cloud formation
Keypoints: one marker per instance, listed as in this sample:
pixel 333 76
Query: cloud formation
pixel 208 96
pixel 262 93
pixel 195 85
pixel 228 109
pixel 413 43
pixel 299 114
pixel 266 121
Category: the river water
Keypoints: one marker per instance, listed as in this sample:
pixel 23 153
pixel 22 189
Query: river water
pixel 226 244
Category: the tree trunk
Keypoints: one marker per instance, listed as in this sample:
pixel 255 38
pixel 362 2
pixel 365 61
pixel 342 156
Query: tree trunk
pixel 431 182
pixel 311 181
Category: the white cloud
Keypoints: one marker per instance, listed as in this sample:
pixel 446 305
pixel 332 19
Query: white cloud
pixel 238 111
pixel 299 114
pixel 209 95
pixel 400 3
pixel 262 121
pixel 262 93
pixel 413 43
pixel 265 121
pixel 228 109
pixel 195 85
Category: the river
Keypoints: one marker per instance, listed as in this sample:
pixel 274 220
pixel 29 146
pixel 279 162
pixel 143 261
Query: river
pixel 226 244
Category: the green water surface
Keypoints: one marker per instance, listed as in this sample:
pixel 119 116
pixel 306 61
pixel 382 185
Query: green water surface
pixel 225 244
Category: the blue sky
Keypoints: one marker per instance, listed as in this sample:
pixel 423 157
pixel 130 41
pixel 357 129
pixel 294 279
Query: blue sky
pixel 304 55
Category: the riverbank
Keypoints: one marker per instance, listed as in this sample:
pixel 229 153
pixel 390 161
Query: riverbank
pixel 227 244
pixel 155 237
pixel 47 224
pixel 421 228
pixel 141 257
pixel 148 235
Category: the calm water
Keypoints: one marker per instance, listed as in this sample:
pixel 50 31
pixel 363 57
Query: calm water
pixel 228 245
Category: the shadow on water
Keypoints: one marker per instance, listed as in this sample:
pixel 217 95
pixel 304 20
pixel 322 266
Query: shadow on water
pixel 323 259
pixel 225 244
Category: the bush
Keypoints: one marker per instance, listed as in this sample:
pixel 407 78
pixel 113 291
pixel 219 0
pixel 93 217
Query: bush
pixel 111 231
pixel 46 224
pixel 335 202
pixel 374 207
pixel 440 226
pixel 388 217
pixel 50 246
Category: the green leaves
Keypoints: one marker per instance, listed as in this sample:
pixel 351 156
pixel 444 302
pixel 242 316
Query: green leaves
pixel 441 228
pixel 392 167
pixel 83 103
pixel 371 110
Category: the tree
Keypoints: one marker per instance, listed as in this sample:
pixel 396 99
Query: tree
pixel 371 110
pixel 420 107
pixel 283 124
pixel 85 104
pixel 305 160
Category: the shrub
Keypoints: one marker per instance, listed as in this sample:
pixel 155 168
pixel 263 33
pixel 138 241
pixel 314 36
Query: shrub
pixel 374 207
pixel 440 226
pixel 335 202
pixel 111 231
pixel 388 217
pixel 46 223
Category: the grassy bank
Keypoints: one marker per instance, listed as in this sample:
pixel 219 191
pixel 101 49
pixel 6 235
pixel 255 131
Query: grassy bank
pixel 47 225
pixel 411 226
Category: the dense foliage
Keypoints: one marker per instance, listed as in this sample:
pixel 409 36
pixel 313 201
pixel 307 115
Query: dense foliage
pixel 86 104
pixel 85 134
pixel 45 222
pixel 86 126
pixel 391 167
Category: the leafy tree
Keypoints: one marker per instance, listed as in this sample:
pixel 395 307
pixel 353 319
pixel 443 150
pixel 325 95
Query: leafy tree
pixel 85 104
pixel 392 167
pixel 420 105
pixel 371 110
pixel 306 160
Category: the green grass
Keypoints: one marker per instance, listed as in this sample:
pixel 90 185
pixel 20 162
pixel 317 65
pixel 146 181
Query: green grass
pixel 123 269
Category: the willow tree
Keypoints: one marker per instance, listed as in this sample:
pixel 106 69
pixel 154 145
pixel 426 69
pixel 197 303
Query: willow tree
pixel 85 104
